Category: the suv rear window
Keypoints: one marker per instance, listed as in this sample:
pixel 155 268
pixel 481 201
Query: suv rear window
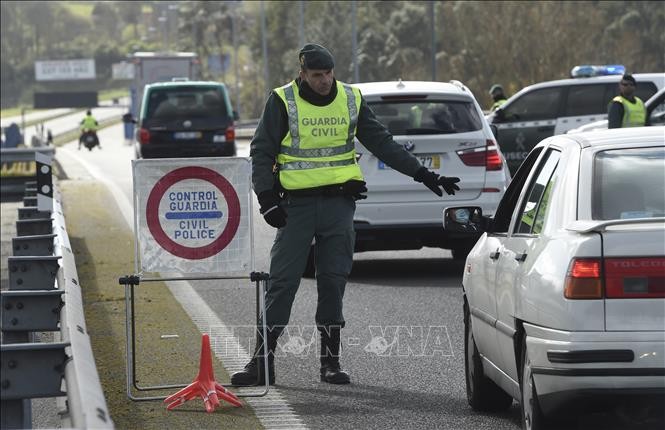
pixel 195 102
pixel 427 117
pixel 619 193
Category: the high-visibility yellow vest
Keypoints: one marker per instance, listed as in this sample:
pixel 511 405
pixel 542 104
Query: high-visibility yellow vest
pixel 497 104
pixel 634 114
pixel 318 150
pixel 89 123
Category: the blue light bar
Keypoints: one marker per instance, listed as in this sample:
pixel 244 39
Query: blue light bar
pixel 587 71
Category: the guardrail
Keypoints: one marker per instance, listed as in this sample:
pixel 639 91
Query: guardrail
pixel 44 295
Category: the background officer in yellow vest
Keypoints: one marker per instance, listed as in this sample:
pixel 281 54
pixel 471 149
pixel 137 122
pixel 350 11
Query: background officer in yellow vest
pixel 307 179
pixel 626 110
pixel 499 98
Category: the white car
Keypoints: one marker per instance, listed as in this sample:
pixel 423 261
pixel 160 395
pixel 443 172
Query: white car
pixel 564 293
pixel 443 125
pixel 655 108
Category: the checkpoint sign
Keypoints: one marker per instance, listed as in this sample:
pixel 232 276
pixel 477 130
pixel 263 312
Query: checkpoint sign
pixel 192 216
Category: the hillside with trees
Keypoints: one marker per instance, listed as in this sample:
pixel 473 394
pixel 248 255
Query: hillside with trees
pixel 478 43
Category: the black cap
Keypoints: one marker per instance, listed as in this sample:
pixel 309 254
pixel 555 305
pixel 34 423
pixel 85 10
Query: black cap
pixel 313 56
pixel 628 77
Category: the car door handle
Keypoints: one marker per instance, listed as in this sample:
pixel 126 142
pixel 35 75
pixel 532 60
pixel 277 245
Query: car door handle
pixel 521 257
pixel 546 128
pixel 495 255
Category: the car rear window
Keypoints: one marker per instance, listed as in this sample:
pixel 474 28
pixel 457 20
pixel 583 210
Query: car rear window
pixel 629 183
pixel 427 117
pixel 186 102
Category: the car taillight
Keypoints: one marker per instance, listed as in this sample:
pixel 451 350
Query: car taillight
pixel 493 157
pixel 230 134
pixel 144 136
pixel 635 278
pixel 583 280
pixel 487 156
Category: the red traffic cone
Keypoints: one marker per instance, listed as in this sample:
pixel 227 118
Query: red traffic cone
pixel 204 385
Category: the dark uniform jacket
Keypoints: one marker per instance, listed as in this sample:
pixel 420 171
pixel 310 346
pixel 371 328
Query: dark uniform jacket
pixel 273 127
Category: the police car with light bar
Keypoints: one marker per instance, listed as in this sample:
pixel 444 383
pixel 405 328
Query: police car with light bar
pixel 554 107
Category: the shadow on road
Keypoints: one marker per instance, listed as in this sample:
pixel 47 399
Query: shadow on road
pixel 418 272
pixel 375 404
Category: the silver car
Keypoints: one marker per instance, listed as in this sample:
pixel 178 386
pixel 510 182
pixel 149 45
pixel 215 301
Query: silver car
pixel 564 293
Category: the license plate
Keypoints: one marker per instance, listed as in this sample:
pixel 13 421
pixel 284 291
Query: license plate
pixel 431 161
pixel 187 135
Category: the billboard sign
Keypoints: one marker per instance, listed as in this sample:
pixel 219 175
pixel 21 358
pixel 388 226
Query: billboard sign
pixel 63 70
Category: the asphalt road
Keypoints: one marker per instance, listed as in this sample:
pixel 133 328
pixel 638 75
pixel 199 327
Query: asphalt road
pixel 403 343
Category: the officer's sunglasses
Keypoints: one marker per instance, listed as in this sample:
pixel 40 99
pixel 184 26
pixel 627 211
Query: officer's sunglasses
pixel 627 84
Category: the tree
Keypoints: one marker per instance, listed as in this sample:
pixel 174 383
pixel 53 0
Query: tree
pixel 105 18
pixel 130 13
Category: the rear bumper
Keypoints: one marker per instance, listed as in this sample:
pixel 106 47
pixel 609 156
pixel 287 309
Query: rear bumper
pixel 568 365
pixel 195 149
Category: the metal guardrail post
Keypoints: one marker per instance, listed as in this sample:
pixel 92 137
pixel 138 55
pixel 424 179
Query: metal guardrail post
pixel 41 244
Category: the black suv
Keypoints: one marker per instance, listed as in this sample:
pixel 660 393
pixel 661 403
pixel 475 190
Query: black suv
pixel 185 119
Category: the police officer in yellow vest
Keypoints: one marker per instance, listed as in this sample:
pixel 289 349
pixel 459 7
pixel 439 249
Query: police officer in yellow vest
pixel 496 91
pixel 626 110
pixel 307 179
pixel 88 123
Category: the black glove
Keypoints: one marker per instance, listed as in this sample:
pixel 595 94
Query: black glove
pixel 272 212
pixel 433 181
pixel 355 188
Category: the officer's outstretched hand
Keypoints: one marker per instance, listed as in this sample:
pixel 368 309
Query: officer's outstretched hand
pixel 433 181
pixel 272 212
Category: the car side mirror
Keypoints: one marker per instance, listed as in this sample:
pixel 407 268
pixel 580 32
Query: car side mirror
pixel 236 115
pixel 128 118
pixel 465 219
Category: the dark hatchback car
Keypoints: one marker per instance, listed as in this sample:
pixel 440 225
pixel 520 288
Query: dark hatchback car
pixel 185 119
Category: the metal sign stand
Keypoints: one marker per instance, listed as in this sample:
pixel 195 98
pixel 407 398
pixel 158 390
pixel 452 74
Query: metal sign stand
pixel 131 281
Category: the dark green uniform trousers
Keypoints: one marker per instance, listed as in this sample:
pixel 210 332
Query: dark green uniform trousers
pixel 329 221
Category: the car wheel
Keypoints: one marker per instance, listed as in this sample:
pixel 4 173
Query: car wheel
pixel 532 416
pixel 310 267
pixel 481 392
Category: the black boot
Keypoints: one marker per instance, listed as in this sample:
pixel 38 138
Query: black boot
pixel 253 374
pixel 331 371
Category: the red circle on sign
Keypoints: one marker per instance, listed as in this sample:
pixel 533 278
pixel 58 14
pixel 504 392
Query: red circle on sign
pixel 181 174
